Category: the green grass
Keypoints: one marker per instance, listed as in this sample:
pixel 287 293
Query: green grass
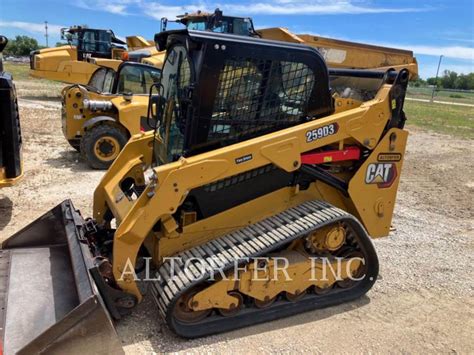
pixel 19 71
pixel 449 96
pixel 449 119
pixel 29 87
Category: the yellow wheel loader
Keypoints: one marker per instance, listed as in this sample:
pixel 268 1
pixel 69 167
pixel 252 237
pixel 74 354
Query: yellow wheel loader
pixel 255 198
pixel 75 62
pixel 11 169
pixel 98 119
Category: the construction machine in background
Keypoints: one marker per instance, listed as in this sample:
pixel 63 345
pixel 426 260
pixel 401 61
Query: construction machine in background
pixel 72 63
pixel 99 118
pixel 11 168
pixel 262 153
pixel 337 53
pixel 352 55
pixel 75 63
pixel 213 22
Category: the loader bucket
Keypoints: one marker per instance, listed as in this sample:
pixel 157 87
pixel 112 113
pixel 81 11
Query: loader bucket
pixel 49 301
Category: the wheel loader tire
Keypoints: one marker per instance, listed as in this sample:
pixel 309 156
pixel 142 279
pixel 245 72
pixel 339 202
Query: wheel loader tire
pixel 101 144
pixel 75 143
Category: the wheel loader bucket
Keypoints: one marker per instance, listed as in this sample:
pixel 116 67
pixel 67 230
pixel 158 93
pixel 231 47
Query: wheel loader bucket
pixel 49 301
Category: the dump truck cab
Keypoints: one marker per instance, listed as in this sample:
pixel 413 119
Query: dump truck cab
pixel 11 166
pixel 99 118
pixel 90 42
pixel 76 62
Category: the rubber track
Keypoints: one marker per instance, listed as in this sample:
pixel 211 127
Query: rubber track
pixel 257 240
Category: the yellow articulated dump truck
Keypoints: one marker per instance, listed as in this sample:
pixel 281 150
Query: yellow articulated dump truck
pixel 98 119
pixel 255 198
pixel 11 169
pixel 337 53
pixel 71 63
pixel 345 54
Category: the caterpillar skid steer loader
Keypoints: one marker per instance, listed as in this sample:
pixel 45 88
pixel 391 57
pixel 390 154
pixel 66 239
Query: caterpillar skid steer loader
pixel 266 169
pixel 11 169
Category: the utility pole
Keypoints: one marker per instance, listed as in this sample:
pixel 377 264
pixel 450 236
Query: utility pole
pixel 436 82
pixel 46 32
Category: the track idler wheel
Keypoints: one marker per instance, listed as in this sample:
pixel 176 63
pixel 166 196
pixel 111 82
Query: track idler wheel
pixel 322 290
pixel 265 303
pixel 184 312
pixel 346 283
pixel 295 297
pixel 234 307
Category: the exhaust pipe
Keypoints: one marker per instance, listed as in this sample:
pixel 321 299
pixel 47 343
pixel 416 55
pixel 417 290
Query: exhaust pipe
pixel 50 301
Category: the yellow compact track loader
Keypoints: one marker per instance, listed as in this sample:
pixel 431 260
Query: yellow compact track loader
pixel 11 169
pixel 255 198
pixel 99 118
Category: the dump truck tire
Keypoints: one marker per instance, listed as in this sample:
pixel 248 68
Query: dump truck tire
pixel 101 144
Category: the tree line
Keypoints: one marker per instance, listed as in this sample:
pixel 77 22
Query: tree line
pixel 449 80
pixel 23 45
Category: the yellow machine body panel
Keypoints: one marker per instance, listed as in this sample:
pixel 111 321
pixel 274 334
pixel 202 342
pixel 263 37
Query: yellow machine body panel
pixel 156 59
pixel 75 116
pixel 138 42
pixel 61 64
pixel 345 54
pixel 135 218
pixel 105 63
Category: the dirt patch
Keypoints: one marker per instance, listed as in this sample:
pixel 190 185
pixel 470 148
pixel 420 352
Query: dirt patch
pixel 422 302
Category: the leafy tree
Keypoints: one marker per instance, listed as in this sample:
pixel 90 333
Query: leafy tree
pixel 448 80
pixel 432 81
pixel 453 80
pixel 418 82
pixel 21 45
pixel 60 44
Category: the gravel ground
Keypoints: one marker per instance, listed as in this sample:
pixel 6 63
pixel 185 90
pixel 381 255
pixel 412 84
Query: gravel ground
pixel 423 301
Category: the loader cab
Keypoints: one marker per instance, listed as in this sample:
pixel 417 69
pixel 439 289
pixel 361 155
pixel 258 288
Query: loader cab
pixel 248 87
pixel 95 43
pixel 214 22
pixel 130 77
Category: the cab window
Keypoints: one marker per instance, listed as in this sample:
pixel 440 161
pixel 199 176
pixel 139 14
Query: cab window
pixel 197 25
pixel 137 79
pixel 102 80
pixel 104 44
pixel 88 41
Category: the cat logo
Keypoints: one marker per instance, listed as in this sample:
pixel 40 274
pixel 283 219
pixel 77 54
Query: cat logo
pixel 382 174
